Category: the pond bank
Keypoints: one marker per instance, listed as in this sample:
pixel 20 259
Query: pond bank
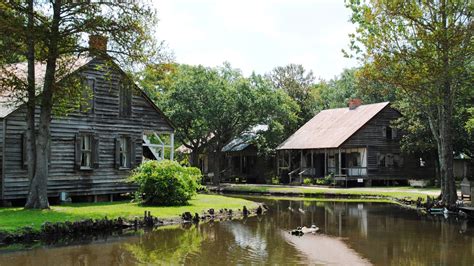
pixel 69 221
pixel 402 195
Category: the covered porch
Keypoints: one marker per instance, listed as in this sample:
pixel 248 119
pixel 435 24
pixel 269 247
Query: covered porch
pixel 344 164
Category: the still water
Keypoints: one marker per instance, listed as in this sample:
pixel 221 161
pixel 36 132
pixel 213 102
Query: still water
pixel 351 234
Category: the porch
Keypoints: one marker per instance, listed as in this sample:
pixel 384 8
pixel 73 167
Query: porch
pixel 344 164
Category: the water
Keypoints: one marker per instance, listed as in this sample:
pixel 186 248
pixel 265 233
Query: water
pixel 351 234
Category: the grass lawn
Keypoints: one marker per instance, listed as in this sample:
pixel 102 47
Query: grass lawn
pixel 387 192
pixel 12 219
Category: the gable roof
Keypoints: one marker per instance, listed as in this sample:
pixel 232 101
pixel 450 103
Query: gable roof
pixel 9 102
pixel 331 128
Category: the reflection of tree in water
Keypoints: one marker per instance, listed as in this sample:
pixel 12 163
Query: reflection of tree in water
pixel 167 245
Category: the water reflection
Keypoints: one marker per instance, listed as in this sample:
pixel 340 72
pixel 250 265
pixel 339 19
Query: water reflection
pixel 351 233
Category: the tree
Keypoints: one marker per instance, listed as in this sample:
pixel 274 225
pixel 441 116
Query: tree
pixel 424 49
pixel 187 101
pixel 59 30
pixel 213 105
pixel 298 84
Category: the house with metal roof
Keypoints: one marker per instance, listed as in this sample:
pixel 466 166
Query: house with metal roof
pixel 243 162
pixel 92 148
pixel 356 143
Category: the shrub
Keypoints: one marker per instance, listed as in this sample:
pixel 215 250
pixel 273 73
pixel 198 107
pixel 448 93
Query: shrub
pixel 307 181
pixel 276 180
pixel 165 183
pixel 327 180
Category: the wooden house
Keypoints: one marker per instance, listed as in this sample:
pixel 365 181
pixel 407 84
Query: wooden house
pixel 93 149
pixel 243 162
pixel 356 144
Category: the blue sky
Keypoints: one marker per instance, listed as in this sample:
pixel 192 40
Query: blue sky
pixel 258 35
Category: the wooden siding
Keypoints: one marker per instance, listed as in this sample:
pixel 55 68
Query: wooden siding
pixel 105 122
pixel 1 158
pixel 371 137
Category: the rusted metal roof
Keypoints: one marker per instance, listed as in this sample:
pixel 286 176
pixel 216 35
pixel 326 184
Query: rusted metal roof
pixel 331 128
pixel 11 98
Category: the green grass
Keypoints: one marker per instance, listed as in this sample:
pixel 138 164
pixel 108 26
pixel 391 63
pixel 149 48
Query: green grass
pixel 385 192
pixel 13 219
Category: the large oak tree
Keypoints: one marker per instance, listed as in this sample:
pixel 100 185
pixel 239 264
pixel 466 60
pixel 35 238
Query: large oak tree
pixel 424 49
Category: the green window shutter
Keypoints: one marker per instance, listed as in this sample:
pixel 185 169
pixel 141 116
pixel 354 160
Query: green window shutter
pixel 133 155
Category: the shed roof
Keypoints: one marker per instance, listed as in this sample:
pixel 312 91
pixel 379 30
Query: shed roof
pixel 244 140
pixel 331 128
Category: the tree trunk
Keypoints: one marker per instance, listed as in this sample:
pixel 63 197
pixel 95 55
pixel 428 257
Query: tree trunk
pixel 217 161
pixel 449 194
pixel 38 196
pixel 31 103
pixel 194 159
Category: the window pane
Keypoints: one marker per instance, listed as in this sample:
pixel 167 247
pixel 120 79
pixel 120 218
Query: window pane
pixel 86 151
pixel 124 153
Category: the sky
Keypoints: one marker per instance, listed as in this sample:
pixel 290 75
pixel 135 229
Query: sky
pixel 258 35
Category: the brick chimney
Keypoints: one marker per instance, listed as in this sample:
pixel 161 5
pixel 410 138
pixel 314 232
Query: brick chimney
pixel 354 103
pixel 97 44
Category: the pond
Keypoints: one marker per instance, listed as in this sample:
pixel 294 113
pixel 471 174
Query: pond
pixel 351 233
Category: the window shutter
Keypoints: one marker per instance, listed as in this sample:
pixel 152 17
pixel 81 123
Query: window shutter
pixel 384 131
pixel 95 151
pixel 117 152
pixel 77 157
pixel 133 159
pixel 139 159
pixel 24 159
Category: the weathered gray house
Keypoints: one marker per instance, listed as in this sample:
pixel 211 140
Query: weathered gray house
pixel 243 160
pixel 352 144
pixel 92 149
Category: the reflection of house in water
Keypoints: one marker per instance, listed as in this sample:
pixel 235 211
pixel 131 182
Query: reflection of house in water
pixel 352 144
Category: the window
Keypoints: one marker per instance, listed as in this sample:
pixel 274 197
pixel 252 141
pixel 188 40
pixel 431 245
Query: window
pixel 354 159
pixel 87 102
pixel 125 100
pixel 86 151
pixel 124 153
pixel 389 132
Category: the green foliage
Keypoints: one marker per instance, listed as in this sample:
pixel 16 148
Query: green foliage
pixel 165 183
pixel 423 51
pixel 307 181
pixel 470 122
pixel 327 180
pixel 275 180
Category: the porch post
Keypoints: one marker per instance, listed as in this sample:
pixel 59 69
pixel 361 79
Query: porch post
pixel 172 147
pixel 312 164
pixel 301 165
pixel 340 173
pixel 325 162
pixel 278 162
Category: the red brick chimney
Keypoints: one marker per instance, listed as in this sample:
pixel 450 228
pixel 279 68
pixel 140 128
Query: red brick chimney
pixel 354 103
pixel 97 44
